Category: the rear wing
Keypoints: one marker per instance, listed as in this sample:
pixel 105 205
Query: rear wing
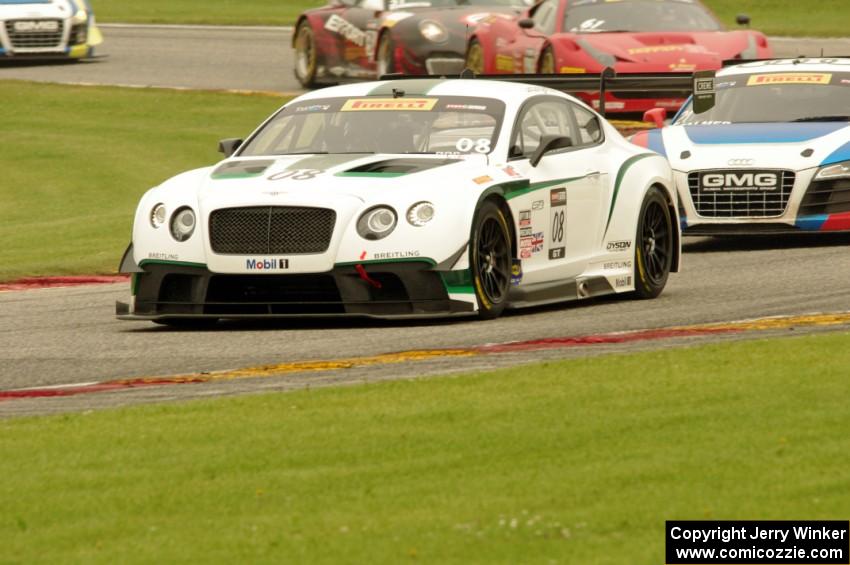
pixel 699 84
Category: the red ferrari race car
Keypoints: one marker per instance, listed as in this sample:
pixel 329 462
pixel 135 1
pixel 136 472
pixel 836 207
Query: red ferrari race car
pixel 363 39
pixel 630 36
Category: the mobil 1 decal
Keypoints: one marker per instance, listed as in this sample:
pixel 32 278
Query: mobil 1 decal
pixel 557 223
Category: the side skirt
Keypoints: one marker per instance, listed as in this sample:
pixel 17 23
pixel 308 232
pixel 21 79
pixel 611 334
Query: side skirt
pixel 548 293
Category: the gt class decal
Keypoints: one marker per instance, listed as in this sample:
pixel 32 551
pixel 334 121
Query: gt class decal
pixel 557 221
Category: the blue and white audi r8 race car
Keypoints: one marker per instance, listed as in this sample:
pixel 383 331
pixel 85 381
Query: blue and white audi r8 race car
pixel 47 29
pixel 771 155
pixel 418 197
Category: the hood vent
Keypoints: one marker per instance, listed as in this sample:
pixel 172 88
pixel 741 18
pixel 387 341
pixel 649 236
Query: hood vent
pixel 397 167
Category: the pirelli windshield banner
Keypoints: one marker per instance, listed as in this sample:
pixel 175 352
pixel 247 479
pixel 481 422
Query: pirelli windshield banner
pixel 781 79
pixel 389 104
pixel 386 105
pixel 692 542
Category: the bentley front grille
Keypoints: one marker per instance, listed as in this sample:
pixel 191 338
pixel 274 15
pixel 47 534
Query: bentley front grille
pixel 35 34
pixel 726 193
pixel 278 230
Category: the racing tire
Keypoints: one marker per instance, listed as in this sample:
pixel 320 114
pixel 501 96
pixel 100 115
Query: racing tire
pixel 546 65
pixel 188 323
pixel 653 245
pixel 475 57
pixel 306 55
pixel 385 57
pixel 490 260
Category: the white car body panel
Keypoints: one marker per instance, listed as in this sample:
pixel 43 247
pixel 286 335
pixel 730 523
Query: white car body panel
pixel 43 28
pixel 605 186
pixel 799 147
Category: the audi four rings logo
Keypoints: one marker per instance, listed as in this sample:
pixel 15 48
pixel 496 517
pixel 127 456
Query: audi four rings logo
pixel 741 162
pixel 739 181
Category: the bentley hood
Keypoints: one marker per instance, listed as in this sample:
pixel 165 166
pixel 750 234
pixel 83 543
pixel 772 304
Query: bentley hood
pixel 313 178
pixel 347 185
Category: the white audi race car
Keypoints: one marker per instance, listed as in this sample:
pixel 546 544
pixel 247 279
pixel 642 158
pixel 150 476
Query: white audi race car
pixel 417 197
pixel 771 155
pixel 47 29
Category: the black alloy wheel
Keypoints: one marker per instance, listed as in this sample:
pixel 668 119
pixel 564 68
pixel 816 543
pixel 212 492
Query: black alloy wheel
pixel 491 260
pixel 654 245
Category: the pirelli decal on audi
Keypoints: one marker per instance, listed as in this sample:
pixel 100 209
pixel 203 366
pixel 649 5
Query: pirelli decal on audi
pixel 392 104
pixel 790 78
pixel 737 180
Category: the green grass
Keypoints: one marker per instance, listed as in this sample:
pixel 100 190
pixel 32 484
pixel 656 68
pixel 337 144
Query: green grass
pixel 76 160
pixel 572 462
pixel 774 17
pixel 827 18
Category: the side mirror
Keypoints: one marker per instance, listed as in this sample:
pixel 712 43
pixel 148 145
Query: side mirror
pixel 656 116
pixel 547 144
pixel 742 20
pixel 229 146
pixel 526 23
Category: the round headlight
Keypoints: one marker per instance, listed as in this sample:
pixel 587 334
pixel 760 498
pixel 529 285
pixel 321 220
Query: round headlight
pixel 158 215
pixel 433 31
pixel 420 214
pixel 376 223
pixel 182 224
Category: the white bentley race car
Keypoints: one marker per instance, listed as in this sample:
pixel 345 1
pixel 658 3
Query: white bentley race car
pixel 418 197
pixel 47 29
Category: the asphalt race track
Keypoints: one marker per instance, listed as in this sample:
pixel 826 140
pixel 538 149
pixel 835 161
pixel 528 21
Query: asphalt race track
pixel 69 335
pixel 229 58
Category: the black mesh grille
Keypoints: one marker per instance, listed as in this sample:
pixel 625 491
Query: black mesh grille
pixel 826 197
pixel 741 203
pixel 289 294
pixel 271 230
pixel 34 34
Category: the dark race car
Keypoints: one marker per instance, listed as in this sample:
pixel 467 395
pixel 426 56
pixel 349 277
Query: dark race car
pixel 630 36
pixel 363 39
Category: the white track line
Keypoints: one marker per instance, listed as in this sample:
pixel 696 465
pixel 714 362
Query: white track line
pixel 191 27
pixel 54 387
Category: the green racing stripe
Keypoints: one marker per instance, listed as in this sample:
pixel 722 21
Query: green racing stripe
pixel 621 175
